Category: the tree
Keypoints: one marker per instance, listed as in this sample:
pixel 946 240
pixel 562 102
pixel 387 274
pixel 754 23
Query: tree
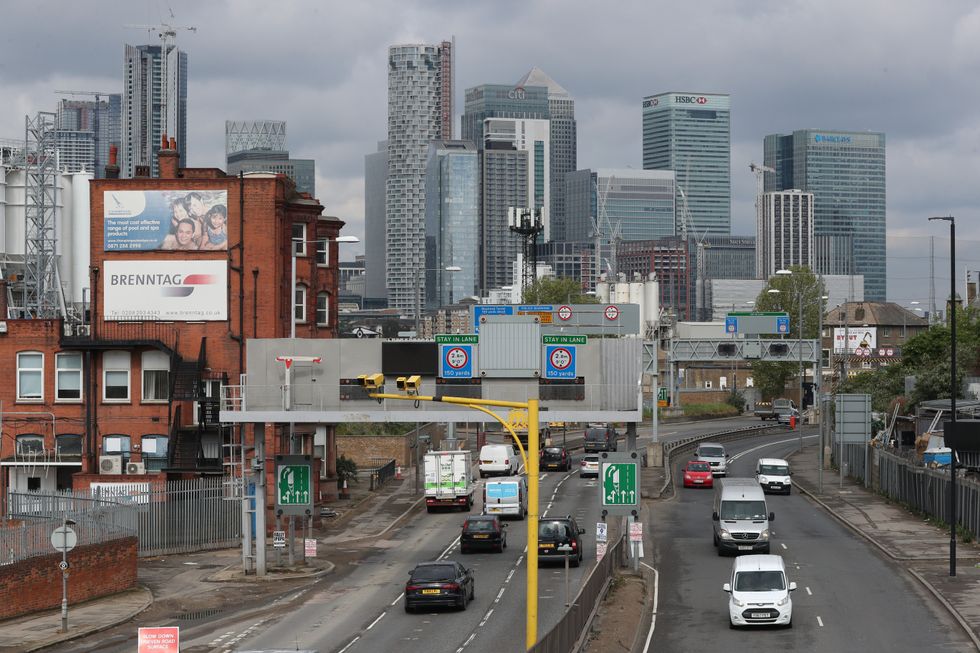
pixel 802 287
pixel 556 290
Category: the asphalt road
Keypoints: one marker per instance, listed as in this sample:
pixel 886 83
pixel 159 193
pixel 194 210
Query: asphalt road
pixel 849 598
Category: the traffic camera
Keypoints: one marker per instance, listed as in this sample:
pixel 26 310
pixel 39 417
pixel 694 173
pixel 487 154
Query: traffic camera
pixel 372 381
pixel 409 384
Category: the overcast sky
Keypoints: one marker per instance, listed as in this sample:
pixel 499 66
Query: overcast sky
pixel 909 69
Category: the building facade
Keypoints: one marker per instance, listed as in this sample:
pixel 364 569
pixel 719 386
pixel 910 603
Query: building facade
pixel 452 223
pixel 504 185
pixel 86 131
pixel 375 177
pixel 784 237
pixel 690 133
pixel 845 171
pixel 149 102
pixel 671 261
pixel 301 171
pixel 420 94
pixel 729 257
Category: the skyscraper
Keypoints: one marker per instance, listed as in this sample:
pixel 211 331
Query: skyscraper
pixel 149 102
pixel 86 130
pixel 690 133
pixel 452 222
pixel 420 94
pixel 375 176
pixel 784 237
pixel 845 171
pixel 504 185
pixel 260 146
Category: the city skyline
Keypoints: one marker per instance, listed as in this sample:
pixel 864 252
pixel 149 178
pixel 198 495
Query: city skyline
pixel 910 89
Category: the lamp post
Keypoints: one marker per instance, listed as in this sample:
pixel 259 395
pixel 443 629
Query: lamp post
pixel 952 387
pixel 418 292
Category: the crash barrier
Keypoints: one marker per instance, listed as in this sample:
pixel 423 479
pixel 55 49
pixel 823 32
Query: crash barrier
pixel 180 517
pixel 570 631
pixel 927 490
pixel 381 473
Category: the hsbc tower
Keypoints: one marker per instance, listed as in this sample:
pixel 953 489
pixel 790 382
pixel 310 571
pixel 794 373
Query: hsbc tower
pixel 690 133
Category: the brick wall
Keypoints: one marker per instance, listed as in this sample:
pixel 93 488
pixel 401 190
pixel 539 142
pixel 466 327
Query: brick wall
pixel 702 397
pixel 364 449
pixel 96 570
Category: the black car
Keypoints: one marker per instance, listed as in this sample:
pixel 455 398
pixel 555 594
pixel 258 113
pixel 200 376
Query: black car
pixel 444 583
pixel 600 438
pixel 555 533
pixel 483 532
pixel 555 458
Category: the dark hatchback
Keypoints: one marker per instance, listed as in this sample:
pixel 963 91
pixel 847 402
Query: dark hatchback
pixel 555 458
pixel 483 532
pixel 444 583
pixel 557 532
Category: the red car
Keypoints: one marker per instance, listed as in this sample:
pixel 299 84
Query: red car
pixel 697 473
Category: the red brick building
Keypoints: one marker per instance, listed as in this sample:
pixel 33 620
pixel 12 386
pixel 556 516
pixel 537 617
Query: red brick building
pixel 138 380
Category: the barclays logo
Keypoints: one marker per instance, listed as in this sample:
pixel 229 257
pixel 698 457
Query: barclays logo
pixel 823 138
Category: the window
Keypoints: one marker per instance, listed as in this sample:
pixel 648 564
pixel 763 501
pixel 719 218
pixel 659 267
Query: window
pixel 68 377
pixel 31 444
pixel 323 309
pixel 299 238
pixel 116 445
pixel 156 376
pixel 299 309
pixel 115 376
pixel 30 376
pixel 68 445
pixel 707 385
pixel 154 450
pixel 322 252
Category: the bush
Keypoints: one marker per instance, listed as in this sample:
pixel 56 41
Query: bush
pixel 707 411
pixel 375 428
pixel 346 471
pixel 736 400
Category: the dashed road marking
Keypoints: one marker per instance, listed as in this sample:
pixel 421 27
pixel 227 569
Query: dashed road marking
pixel 808 592
pixel 351 643
pixel 501 592
pixel 398 599
pixel 782 545
pixel 374 623
pixel 820 621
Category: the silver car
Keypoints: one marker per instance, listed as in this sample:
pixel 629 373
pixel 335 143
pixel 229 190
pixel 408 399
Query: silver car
pixel 714 454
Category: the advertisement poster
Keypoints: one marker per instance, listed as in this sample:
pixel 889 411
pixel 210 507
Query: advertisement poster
pixel 148 220
pixel 178 291
pixel 857 338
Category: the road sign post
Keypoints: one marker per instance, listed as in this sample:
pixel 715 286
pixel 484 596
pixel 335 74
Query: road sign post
pixel 64 539
pixel 619 483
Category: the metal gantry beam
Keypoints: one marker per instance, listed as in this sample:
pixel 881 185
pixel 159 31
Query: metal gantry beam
pixel 42 293
pixel 770 350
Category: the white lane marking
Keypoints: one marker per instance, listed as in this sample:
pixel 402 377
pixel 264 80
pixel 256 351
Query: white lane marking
pixel 398 599
pixel 501 592
pixel 350 644
pixel 782 545
pixel 541 478
pixel 507 580
pixel 469 639
pixel 374 623
pixel 820 621
pixel 656 596
pixel 808 592
pixel 486 617
pixel 549 505
pixel 769 444
pixel 448 549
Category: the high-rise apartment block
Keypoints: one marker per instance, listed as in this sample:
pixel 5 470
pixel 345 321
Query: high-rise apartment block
pixel 690 133
pixel 845 172
pixel 375 177
pixel 452 223
pixel 420 96
pixel 86 130
pixel 154 100
pixel 504 174
pixel 784 235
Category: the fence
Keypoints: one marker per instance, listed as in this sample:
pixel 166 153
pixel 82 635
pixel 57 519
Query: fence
pixel 564 636
pixel 31 539
pixel 184 516
pixel 381 473
pixel 855 457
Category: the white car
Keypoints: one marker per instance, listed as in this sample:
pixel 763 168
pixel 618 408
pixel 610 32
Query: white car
pixel 773 475
pixel 759 593
pixel 589 466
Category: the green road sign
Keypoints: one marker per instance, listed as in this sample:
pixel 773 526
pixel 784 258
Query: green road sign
pixel 457 339
pixel 565 340
pixel 662 394
pixel 294 486
pixel 619 484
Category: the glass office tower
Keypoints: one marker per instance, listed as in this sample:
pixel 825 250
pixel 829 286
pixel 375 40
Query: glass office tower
pixel 690 133
pixel 845 171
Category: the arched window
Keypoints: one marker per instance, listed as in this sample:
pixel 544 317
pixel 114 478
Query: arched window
pixel 154 449
pixel 30 444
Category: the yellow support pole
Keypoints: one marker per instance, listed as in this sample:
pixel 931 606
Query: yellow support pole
pixel 532 523
pixel 503 422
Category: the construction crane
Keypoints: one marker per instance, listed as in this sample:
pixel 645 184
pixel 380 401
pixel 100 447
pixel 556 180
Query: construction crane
pixel 760 237
pixel 97 94
pixel 168 36
pixel 688 230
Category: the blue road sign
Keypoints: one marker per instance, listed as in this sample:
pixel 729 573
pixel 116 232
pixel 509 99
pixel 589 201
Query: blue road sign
pixel 489 309
pixel 731 324
pixel 782 324
pixel 559 361
pixel 456 361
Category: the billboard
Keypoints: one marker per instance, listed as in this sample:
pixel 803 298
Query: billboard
pixel 181 291
pixel 857 338
pixel 147 220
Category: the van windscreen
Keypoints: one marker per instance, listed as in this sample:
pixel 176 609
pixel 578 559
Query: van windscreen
pixel 743 510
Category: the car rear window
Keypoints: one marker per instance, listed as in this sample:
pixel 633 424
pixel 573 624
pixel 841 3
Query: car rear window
pixel 711 451
pixel 552 452
pixel 696 466
pixel 595 434
pixel 430 573
pixel 759 581
pixel 554 530
pixel 591 459
pixel 479 526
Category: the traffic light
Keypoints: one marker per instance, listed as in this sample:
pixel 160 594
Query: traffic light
pixel 372 381
pixel 409 384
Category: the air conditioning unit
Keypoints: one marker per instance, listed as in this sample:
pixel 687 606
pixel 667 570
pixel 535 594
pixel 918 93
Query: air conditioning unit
pixel 110 464
pixel 135 468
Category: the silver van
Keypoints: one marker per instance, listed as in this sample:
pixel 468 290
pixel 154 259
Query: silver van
pixel 740 517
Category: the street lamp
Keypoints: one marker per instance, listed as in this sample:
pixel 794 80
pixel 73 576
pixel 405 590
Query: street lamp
pixel 296 242
pixel 952 387
pixel 418 292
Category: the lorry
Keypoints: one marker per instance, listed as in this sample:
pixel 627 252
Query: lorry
pixel 778 408
pixel 448 480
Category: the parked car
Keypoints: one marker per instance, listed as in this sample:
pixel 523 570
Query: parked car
pixel 697 473
pixel 483 532
pixel 498 459
pixel 555 458
pixel 713 454
pixel 589 466
pixel 442 583
pixel 599 437
pixel 773 475
pixel 759 592
pixel 555 533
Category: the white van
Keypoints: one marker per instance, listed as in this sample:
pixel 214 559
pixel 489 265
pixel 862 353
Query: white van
pixel 498 459
pixel 773 475
pixel 741 519
pixel 760 592
pixel 507 498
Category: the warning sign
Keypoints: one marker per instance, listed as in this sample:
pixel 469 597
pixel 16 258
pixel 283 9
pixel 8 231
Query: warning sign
pixel 456 361
pixel 164 639
pixel 559 362
pixel 611 312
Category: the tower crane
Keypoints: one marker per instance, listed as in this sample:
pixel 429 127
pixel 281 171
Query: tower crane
pixel 760 237
pixel 168 36
pixel 688 230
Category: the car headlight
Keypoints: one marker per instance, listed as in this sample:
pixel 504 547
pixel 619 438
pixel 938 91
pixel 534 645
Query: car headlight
pixel 725 535
pixel 763 479
pixel 738 604
pixel 783 601
pixel 764 535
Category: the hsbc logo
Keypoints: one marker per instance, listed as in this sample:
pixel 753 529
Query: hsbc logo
pixel 690 99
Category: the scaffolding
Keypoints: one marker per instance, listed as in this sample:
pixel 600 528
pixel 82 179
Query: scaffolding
pixel 42 288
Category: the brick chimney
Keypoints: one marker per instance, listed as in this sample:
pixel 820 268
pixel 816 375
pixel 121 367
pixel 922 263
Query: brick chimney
pixel 167 158
pixel 112 169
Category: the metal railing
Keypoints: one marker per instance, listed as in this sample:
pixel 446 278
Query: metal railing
pixel 33 539
pixel 381 474
pixel 566 634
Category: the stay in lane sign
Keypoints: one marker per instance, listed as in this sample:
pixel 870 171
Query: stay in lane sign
pixel 559 362
pixel 456 361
